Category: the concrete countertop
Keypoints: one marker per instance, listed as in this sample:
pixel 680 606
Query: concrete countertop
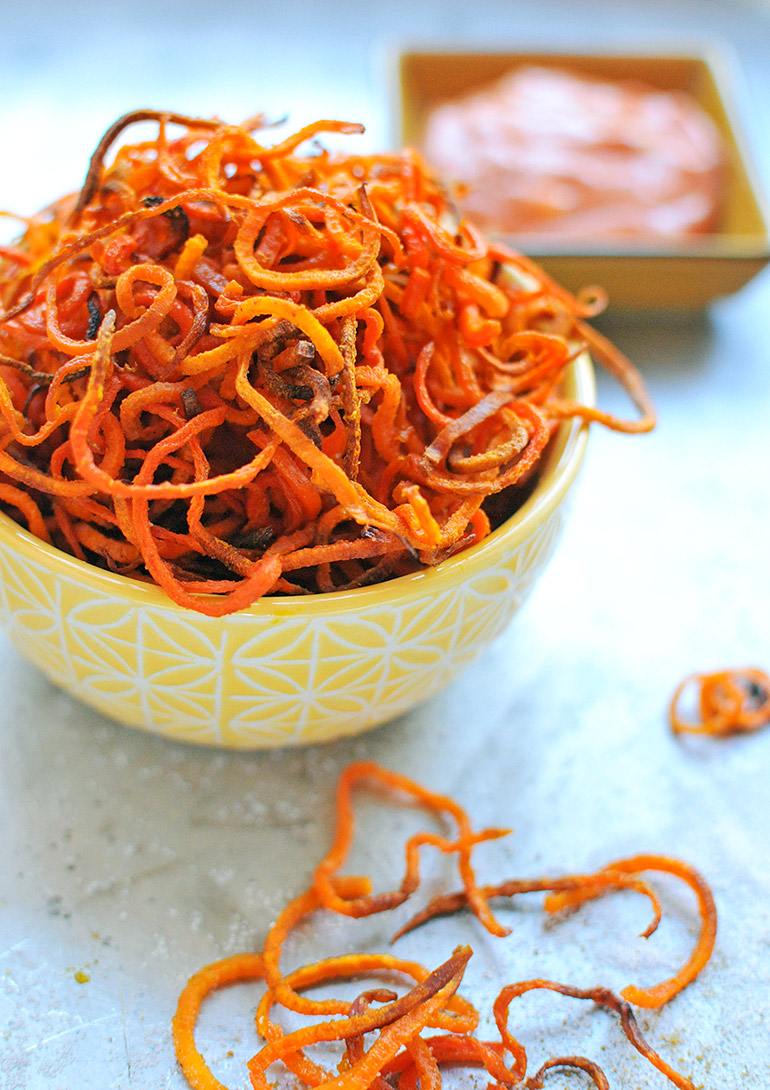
pixel 128 862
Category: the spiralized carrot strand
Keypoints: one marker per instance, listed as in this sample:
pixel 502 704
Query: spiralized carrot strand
pixel 327 309
pixel 482 482
pixel 460 1048
pixel 243 594
pixel 457 1016
pixel 299 316
pixel 587 304
pixel 286 279
pixel 14 420
pixel 29 509
pixel 350 397
pixel 491 458
pixel 400 1020
pixel 307 133
pixel 424 1070
pixel 580 1063
pixel 439 237
pixel 591 884
pixel 603 997
pixel 37 481
pixel 338 550
pixel 421 389
pixel 661 993
pixel 354 1046
pixel 231 970
pixel 82 242
pixel 733 701
pixel 38 377
pixel 143 489
pixel 280 990
pixel 91 183
pixel 325 472
pixel 621 368
pixel 439 448
pixel 401 1050
pixel 191 253
pixel 440 804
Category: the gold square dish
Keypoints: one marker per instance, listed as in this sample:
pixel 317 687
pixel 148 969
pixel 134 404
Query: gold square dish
pixel 635 274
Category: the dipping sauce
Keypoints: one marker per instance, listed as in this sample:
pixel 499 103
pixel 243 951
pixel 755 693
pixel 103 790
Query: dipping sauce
pixel 549 152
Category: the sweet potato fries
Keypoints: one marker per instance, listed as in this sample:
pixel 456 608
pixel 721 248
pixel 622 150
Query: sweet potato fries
pixel 236 369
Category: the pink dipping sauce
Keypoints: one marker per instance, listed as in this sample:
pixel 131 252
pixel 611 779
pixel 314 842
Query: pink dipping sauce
pixel 547 152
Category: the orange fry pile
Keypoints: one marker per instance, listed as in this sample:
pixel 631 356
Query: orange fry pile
pixel 235 369
pixel 391 1040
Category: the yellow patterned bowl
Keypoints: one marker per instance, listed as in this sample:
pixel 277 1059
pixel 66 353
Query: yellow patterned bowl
pixel 287 671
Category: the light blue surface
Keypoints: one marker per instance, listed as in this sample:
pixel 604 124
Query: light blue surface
pixel 137 861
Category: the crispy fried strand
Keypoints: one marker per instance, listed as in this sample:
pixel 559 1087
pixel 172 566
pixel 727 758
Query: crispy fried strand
pixel 574 890
pixel 660 993
pixel 580 1063
pixel 448 903
pixel 729 702
pixel 456 1048
pixel 400 1021
pixel 401 1050
pixel 603 997
pixel 440 804
pixel 277 334
pixel 232 970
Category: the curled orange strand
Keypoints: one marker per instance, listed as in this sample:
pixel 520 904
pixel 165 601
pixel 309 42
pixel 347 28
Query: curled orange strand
pixel 278 332
pixel 661 993
pixel 440 804
pixel 383 1035
pixel 729 702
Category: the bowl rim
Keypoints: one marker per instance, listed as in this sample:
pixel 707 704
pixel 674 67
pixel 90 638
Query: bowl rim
pixel 562 466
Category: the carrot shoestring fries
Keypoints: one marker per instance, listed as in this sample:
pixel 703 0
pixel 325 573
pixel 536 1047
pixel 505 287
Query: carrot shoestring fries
pixel 235 369
pixel 401 1049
